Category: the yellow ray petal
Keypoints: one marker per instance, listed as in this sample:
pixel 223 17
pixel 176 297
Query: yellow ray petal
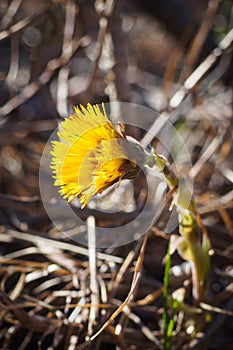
pixel 89 156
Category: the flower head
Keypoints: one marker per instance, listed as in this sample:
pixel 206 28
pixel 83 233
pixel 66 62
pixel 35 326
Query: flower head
pixel 92 154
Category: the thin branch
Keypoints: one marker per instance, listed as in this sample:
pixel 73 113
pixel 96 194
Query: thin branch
pixel 177 53
pixel 17 27
pixel 119 49
pixel 11 12
pixel 63 75
pixel 200 37
pixel 30 90
pixel 193 80
pixel 201 70
pixel 225 201
pixel 208 153
pixel 103 25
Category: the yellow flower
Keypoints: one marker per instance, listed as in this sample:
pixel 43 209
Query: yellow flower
pixel 91 154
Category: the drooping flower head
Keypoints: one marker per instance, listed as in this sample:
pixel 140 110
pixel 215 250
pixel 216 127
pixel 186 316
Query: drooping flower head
pixel 92 154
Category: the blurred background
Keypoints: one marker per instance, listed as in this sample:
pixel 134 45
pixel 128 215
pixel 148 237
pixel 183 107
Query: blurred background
pixel 173 56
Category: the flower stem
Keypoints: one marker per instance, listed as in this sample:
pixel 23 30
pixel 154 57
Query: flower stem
pixel 195 245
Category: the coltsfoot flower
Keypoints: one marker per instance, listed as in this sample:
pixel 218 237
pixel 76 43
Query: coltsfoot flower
pixel 92 154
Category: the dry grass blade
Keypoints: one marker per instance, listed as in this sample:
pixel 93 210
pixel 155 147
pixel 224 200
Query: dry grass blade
pixel 218 310
pixel 62 245
pixel 135 280
pixel 94 289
